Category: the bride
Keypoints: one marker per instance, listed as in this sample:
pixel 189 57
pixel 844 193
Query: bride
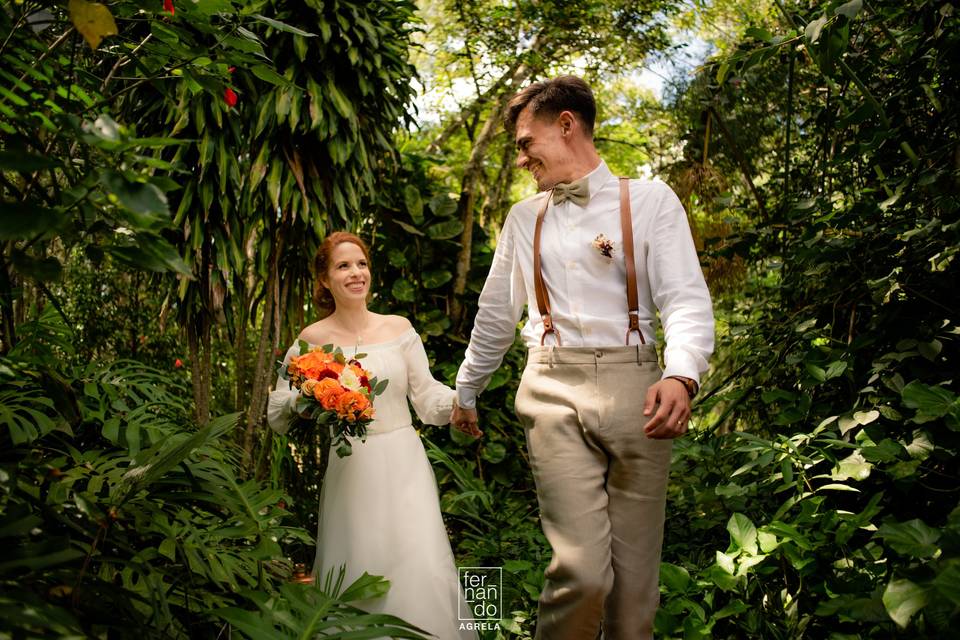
pixel 379 509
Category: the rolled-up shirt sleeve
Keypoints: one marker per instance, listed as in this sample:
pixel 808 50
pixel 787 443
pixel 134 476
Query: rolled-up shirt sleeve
pixel 679 291
pixel 495 326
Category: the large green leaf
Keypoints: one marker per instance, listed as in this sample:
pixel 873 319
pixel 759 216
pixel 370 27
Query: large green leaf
pixel 414 203
pixel 743 533
pixel 854 466
pixel 902 599
pixel 947 582
pixel 282 26
pixel 364 587
pixel 673 577
pixel 913 537
pixel 403 291
pixel 144 200
pixel 443 205
pixel 25 413
pixel 153 254
pixel 436 278
pixel 445 230
pixel 162 457
pixel 930 402
pixel 267 74
pixel 849 9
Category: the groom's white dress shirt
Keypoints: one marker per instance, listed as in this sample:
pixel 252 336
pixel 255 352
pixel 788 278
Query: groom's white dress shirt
pixel 587 289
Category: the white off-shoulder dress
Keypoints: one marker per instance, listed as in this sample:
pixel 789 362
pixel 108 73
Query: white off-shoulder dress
pixel 379 507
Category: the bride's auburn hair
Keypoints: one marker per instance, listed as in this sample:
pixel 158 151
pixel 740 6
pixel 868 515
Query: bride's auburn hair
pixel 322 298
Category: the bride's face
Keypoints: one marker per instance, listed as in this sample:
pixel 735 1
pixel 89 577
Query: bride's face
pixel 348 276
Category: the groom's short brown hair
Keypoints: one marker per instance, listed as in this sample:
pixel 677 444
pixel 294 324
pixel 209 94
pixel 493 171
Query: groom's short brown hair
pixel 550 97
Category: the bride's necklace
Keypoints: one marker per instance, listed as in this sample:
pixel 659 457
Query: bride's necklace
pixel 359 330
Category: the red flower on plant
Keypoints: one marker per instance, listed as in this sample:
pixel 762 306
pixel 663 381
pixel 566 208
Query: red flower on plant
pixel 229 97
pixel 177 363
pixel 168 7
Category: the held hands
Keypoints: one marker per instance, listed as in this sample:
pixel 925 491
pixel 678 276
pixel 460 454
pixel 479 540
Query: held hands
pixel 465 421
pixel 670 420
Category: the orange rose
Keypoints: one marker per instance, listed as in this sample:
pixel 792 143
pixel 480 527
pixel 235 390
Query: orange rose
pixel 314 365
pixel 327 392
pixel 353 405
pixel 308 386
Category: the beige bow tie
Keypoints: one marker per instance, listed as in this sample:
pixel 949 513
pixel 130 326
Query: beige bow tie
pixel 576 192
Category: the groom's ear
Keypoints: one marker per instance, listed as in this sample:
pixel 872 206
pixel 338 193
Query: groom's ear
pixel 568 123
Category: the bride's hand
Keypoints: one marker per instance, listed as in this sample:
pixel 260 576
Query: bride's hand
pixel 465 421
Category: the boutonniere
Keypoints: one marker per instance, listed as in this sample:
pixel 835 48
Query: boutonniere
pixel 604 245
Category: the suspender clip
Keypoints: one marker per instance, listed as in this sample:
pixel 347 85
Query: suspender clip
pixel 634 316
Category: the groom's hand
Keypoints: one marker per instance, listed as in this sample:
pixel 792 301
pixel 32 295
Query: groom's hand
pixel 670 420
pixel 465 421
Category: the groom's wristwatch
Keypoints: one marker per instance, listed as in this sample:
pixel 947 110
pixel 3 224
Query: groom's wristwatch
pixel 689 383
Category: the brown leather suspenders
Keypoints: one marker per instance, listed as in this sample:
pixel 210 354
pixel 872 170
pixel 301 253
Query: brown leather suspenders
pixel 626 229
pixel 543 298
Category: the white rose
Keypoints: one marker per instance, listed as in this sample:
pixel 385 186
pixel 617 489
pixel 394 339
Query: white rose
pixel 350 380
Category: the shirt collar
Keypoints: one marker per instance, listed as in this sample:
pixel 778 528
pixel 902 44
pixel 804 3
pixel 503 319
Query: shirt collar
pixel 597 178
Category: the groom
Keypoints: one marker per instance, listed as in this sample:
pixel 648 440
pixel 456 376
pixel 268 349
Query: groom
pixel 593 258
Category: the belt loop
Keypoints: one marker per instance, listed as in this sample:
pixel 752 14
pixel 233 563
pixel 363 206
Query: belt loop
pixel 550 353
pixel 637 347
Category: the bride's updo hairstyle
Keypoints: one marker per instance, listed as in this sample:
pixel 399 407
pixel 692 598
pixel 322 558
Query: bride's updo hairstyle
pixel 322 298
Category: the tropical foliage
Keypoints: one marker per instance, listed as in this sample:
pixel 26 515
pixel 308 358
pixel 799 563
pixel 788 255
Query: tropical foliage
pixel 168 169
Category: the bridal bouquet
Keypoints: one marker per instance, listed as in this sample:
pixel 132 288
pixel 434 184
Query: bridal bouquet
pixel 334 392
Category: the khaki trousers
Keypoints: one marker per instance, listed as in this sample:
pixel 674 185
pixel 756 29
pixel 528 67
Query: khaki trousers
pixel 601 484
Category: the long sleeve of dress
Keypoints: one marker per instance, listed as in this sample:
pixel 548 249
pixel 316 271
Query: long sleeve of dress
pixel 282 400
pixel 432 400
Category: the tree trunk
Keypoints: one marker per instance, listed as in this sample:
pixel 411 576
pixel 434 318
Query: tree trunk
pixel 789 125
pixel 472 174
pixel 497 199
pixel 240 353
pixel 200 410
pixel 265 351
pixel 6 305
pixel 465 208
